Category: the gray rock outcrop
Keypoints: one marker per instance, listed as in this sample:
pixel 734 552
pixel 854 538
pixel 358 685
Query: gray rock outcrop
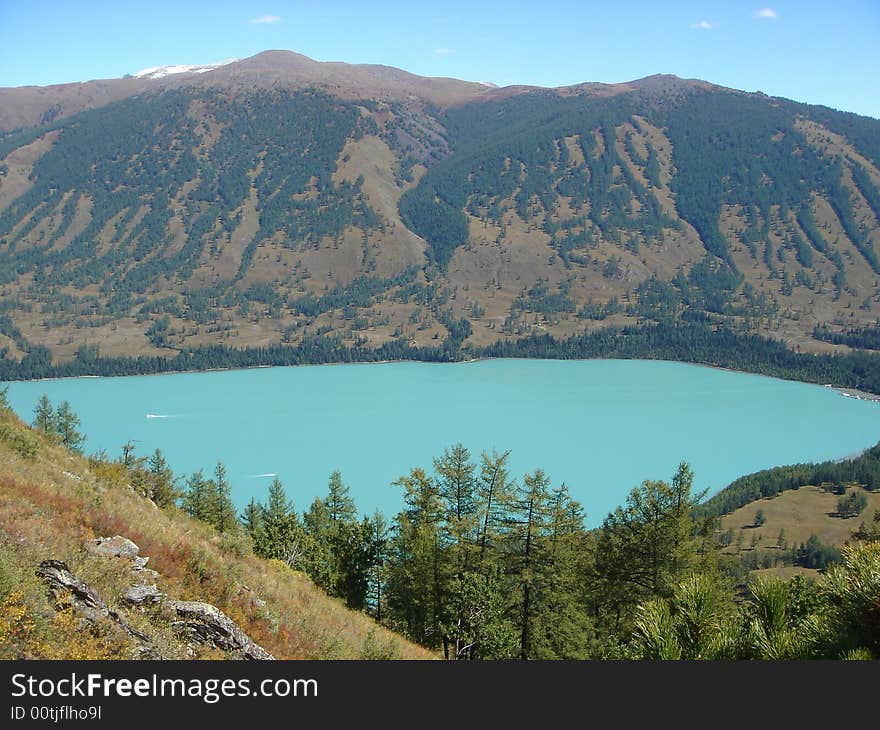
pixel 62 582
pixel 143 594
pixel 113 547
pixel 207 624
pixel 88 604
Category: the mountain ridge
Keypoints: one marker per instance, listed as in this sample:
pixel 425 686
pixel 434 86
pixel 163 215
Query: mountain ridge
pixel 300 69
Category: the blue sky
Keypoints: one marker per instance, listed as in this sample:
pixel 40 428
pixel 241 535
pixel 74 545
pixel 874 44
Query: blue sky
pixel 818 52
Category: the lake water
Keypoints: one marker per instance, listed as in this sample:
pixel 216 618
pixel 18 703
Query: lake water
pixel 601 426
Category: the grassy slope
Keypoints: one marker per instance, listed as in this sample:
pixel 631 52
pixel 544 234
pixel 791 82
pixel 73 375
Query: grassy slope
pixel 800 513
pixel 54 501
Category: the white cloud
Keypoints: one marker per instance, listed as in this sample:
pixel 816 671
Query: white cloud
pixel 767 14
pixel 442 51
pixel 265 20
pixel 702 25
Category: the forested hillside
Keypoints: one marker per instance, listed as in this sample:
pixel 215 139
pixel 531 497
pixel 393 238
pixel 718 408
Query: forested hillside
pixel 278 202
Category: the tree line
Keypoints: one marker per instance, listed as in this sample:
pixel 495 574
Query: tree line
pixel 691 341
pixel 863 469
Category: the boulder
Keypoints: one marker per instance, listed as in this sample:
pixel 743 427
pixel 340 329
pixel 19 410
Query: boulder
pixel 113 547
pixel 83 597
pixel 207 624
pixel 145 576
pixel 141 594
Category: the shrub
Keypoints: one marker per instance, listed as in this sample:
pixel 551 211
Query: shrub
pixel 24 443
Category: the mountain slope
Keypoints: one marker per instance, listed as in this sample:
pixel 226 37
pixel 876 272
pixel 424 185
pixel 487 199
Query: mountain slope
pixel 278 200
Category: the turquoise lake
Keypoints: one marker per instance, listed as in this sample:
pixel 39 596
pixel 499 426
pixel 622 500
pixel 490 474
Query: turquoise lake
pixel 600 426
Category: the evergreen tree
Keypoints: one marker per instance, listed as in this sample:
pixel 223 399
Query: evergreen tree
pixel 645 547
pixel 340 505
pixel 197 499
pixel 528 526
pixel 355 552
pixel 342 551
pixel 222 509
pixel 380 535
pixel 485 630
pixel 495 494
pixel 44 416
pixel 66 425
pixel 252 521
pixel 276 529
pixel 563 627
pixel 414 588
pixel 164 491
pixel 457 493
pixel 321 564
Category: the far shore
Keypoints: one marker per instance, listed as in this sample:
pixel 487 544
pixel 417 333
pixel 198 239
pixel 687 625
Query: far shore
pixel 841 390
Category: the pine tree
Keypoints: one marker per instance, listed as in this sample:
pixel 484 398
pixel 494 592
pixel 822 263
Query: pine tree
pixel 197 499
pixel 321 563
pixel 341 549
pixel 495 493
pixel 485 630
pixel 380 535
pixel 66 425
pixel 44 416
pixel 461 520
pixel 340 506
pixel 252 521
pixel 223 511
pixel 278 533
pixel 354 551
pixel 562 625
pixel 164 491
pixel 414 589
pixel 645 547
pixel 528 527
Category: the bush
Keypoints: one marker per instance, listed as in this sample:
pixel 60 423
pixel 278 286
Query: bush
pixel 25 444
pixel 814 554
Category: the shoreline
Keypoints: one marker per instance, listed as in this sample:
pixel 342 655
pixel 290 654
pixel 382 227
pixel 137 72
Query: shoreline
pixel 855 393
pixel 843 391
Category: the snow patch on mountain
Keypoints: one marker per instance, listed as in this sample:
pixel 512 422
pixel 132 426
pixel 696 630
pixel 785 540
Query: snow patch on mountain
pixel 159 72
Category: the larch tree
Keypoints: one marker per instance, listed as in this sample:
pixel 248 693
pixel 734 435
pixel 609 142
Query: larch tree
pixel 66 426
pixel 44 416
pixel 164 491
pixel 528 525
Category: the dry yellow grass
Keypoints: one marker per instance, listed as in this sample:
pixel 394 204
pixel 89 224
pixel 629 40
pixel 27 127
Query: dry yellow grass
pixel 798 514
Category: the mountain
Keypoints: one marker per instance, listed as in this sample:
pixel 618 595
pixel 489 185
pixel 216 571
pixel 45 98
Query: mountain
pixel 281 200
